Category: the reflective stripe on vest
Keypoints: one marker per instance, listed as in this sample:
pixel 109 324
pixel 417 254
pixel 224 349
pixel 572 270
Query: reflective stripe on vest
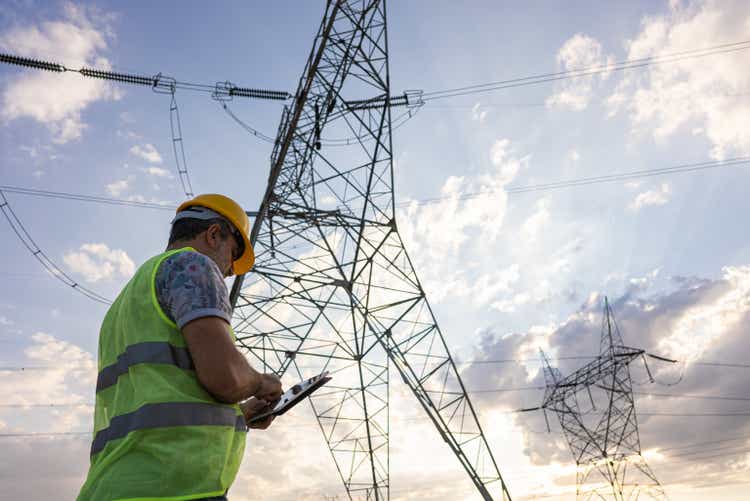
pixel 155 352
pixel 168 414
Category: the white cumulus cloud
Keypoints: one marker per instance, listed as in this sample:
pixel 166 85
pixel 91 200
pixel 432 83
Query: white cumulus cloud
pixel 96 261
pixel 443 234
pixel 54 99
pixel 659 196
pixel 578 52
pixel 534 223
pixel 705 96
pixel 65 382
pixel 116 188
pixel 147 152
pixel 157 172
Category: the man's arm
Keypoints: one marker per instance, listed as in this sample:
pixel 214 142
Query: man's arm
pixel 221 368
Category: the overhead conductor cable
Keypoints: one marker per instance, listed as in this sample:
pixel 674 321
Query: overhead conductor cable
pixel 28 242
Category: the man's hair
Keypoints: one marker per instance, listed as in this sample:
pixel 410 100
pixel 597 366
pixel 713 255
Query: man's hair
pixel 187 229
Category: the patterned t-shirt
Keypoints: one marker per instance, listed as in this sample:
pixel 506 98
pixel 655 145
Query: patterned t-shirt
pixel 189 285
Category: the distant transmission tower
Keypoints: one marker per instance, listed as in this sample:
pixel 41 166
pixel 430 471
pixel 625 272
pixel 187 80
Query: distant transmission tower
pixel 596 411
pixel 333 287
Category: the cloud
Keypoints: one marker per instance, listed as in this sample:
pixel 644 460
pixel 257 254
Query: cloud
pixel 32 468
pixel 706 96
pixel 147 152
pixel 656 197
pixel 67 377
pixel 98 262
pixel 442 234
pixel 157 172
pixel 690 319
pixel 116 188
pixel 579 51
pixel 464 249
pixel 75 39
pixel 510 305
pixel 478 114
pixel 534 224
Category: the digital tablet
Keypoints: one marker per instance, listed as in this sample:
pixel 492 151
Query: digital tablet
pixel 294 395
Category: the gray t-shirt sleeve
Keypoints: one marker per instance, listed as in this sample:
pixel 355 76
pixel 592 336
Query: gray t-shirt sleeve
pixel 189 285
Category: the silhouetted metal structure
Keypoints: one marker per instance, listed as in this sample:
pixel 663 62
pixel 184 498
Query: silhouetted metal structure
pixel 596 410
pixel 333 287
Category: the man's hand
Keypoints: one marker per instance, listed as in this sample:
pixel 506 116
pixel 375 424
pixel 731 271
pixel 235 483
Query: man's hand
pixel 269 388
pixel 221 368
pixel 253 407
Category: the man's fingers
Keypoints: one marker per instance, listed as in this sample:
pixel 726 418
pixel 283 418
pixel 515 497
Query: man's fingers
pixel 262 424
pixel 270 389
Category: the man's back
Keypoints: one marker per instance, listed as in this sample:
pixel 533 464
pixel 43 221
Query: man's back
pixel 158 432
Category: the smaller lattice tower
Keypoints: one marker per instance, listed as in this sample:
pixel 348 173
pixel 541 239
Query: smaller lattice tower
pixel 596 411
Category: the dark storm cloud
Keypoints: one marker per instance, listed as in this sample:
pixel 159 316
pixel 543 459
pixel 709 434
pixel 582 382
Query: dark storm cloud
pixel 711 309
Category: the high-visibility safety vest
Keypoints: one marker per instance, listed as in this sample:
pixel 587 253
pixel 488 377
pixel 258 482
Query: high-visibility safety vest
pixel 158 434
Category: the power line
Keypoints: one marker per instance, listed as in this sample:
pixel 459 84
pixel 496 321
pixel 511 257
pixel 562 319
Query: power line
pixel 178 148
pixel 590 357
pixel 490 390
pixel 248 128
pixel 587 71
pixel 683 168
pixel 524 360
pixel 158 83
pixel 35 406
pixel 696 414
pixel 503 390
pixel 86 198
pixel 689 396
pixel 483 106
pixel 344 141
pixel 722 455
pixel 708 451
pixel 489 362
pixel 719 364
pixel 642 393
pixel 411 419
pixel 32 368
pixel 45 434
pixel 710 442
pixel 570 183
pixel 28 242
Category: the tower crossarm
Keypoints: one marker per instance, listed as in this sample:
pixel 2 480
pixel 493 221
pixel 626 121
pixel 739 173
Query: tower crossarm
pixel 588 375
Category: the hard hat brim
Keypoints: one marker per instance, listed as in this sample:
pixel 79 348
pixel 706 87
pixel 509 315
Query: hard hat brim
pixel 246 260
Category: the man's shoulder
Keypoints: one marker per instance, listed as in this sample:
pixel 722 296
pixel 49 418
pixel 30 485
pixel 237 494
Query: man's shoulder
pixel 188 260
pixel 188 270
pixel 189 285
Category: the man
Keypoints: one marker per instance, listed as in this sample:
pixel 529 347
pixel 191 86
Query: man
pixel 171 395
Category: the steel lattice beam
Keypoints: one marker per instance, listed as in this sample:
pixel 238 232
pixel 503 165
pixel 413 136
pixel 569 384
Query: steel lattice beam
pixel 333 287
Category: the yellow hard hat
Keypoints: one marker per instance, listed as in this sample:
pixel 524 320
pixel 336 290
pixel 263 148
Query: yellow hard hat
pixel 234 213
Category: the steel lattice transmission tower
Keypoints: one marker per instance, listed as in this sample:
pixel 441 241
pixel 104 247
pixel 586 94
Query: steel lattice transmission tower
pixel 333 287
pixel 596 411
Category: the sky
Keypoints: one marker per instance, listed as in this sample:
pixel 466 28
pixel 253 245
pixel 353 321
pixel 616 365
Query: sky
pixel 506 274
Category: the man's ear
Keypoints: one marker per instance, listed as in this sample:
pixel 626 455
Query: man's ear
pixel 213 235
